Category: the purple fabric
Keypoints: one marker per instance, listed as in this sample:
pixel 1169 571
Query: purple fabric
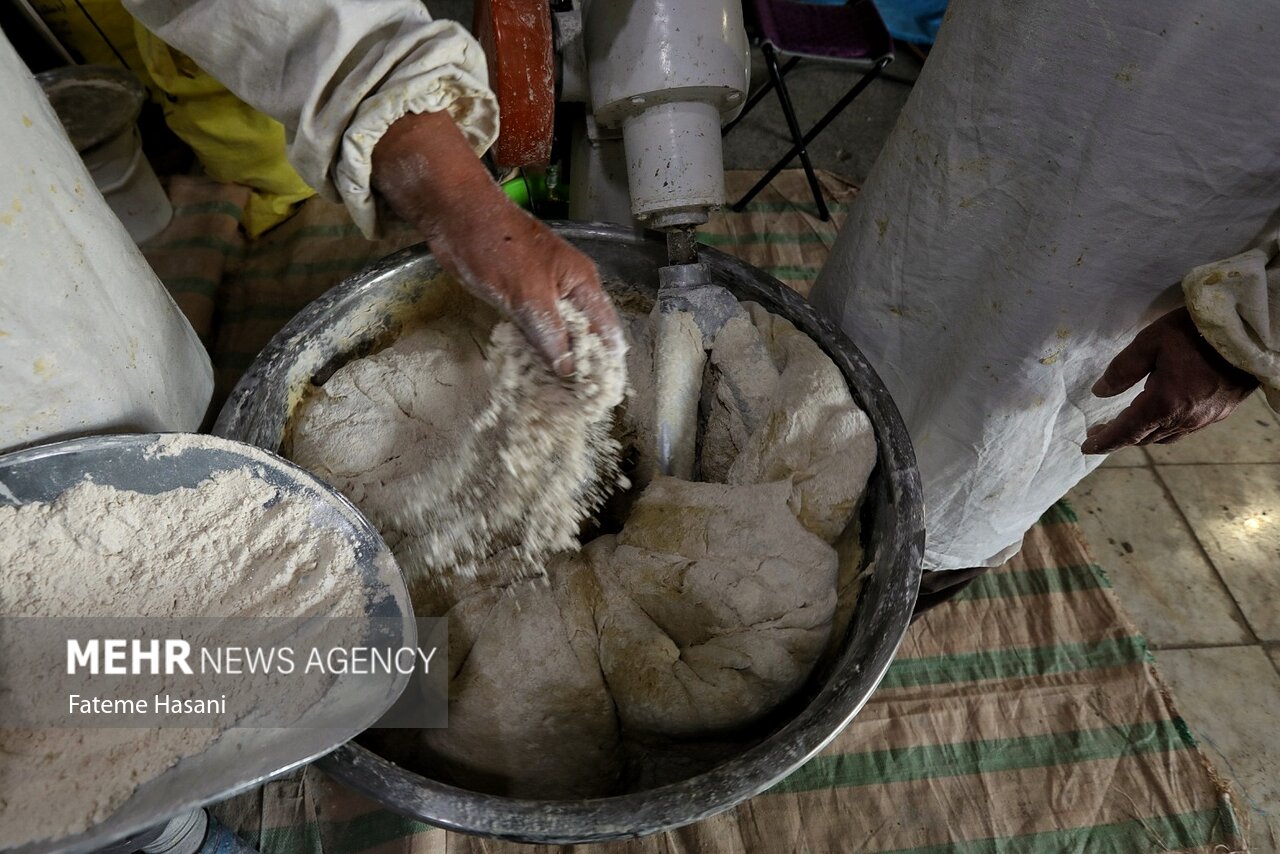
pixel 852 31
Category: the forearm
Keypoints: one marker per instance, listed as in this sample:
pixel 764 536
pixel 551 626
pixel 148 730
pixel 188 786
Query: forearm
pixel 375 96
pixel 425 170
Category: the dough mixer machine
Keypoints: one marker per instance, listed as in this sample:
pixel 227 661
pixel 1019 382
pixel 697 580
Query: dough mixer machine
pixel 658 80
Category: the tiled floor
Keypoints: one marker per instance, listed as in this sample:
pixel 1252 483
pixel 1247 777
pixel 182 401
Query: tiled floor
pixel 1190 535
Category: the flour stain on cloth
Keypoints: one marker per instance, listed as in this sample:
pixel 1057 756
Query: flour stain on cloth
pixel 234 545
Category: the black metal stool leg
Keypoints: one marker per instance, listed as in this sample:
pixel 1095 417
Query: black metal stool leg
pixel 809 137
pixel 758 96
pixel 793 124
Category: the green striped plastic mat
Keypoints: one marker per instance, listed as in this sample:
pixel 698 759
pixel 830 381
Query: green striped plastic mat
pixel 1023 717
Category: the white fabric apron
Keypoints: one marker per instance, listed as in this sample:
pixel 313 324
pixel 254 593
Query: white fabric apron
pixel 1058 169
pixel 90 341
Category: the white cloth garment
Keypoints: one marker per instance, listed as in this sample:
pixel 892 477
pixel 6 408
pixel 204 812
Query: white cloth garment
pixel 1236 306
pixel 1058 170
pixel 336 74
pixel 90 341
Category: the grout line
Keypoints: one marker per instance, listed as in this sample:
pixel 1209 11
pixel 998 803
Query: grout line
pixel 1205 553
pixel 1183 647
pixel 1269 647
pixel 1232 463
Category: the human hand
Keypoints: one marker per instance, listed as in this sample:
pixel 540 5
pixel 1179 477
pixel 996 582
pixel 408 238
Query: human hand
pixel 1189 386
pixel 515 263
pixel 427 172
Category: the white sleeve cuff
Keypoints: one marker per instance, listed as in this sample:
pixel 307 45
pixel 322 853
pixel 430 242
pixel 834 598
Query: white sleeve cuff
pixel 470 103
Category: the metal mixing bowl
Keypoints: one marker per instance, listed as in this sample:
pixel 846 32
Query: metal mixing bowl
pixel 352 317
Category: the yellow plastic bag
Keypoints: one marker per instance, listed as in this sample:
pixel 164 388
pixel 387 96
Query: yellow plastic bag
pixel 234 141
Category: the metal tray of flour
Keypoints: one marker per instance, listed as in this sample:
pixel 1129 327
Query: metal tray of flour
pixel 242 758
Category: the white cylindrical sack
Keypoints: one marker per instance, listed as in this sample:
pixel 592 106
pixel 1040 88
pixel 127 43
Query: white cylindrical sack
pixel 90 341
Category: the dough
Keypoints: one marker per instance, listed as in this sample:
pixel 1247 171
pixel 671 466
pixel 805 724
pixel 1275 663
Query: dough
pixel 800 421
pixel 383 420
pixel 530 714
pixel 705 612
pixel 716 604
pixel 707 608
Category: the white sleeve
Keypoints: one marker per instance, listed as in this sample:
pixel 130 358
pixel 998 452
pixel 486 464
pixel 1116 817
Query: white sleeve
pixel 1236 306
pixel 336 74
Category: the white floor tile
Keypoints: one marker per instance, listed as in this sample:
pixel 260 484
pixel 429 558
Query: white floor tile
pixel 1234 511
pixel 1160 574
pixel 1230 697
pixel 1251 434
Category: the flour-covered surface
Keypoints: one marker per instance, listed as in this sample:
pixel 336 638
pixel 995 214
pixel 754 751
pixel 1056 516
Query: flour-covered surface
pixel 232 546
pixel 1031 696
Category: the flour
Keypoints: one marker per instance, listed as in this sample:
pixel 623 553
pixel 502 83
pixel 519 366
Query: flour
pixel 486 451
pixel 213 550
pixel 537 462
pixel 708 608
pixel 382 421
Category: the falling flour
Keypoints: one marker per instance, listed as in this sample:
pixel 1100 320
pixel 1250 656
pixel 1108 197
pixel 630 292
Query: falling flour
pixel 526 458
pixel 694 611
pixel 232 546
pixel 538 460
